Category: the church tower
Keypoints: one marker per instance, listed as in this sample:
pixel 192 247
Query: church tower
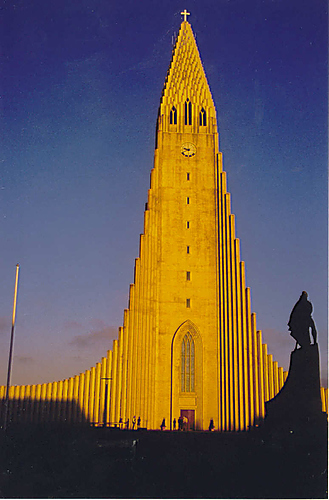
pixel 189 342
pixel 188 346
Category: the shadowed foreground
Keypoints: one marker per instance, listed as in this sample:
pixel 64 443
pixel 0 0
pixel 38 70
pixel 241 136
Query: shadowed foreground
pixel 66 462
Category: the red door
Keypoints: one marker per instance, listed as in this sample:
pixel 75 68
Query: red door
pixel 189 414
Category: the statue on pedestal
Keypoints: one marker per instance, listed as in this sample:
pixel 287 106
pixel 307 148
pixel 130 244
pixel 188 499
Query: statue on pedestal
pixel 301 321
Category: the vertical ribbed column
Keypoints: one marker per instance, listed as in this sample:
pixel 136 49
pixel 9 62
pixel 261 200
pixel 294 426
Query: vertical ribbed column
pixel 59 401
pixel 131 335
pixel 260 375
pixel 27 404
pixel 245 346
pixel 92 394
pixel 97 392
pixel 125 348
pixel 21 408
pixel 75 398
pixel 53 404
pixel 144 318
pixel 136 367
pixel 108 386
pixel 113 384
pixel 270 376
pixel 276 377
pixel 47 407
pixel 70 400
pixel 2 398
pixel 266 378
pixel 220 332
pixel 326 398
pixel 140 326
pixel 225 332
pixel 34 403
pixel 103 384
pixel 2 402
pixel 119 377
pixel 235 360
pixel 15 403
pixel 149 314
pixel 86 396
pixel 229 333
pixel 80 402
pixel 64 406
pixel 281 379
pixel 240 373
pixel 250 359
pixel 43 397
pixel 11 406
pixel 156 225
pixel 255 366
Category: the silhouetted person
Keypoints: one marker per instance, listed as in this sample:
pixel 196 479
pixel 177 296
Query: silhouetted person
pixel 134 422
pixel 185 423
pixel 120 422
pixel 211 425
pixel 127 424
pixel 138 422
pixel 163 425
pixel 301 321
pixel 174 424
pixel 180 423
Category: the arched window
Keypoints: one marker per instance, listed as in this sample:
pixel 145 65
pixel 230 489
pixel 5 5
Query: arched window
pixel 187 364
pixel 173 116
pixel 203 117
pixel 188 112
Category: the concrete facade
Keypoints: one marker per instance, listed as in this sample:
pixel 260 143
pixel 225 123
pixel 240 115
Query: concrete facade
pixel 189 343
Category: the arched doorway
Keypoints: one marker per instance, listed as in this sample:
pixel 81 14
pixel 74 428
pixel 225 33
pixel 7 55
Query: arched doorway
pixel 187 376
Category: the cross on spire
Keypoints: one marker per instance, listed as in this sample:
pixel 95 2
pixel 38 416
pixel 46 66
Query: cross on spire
pixel 185 14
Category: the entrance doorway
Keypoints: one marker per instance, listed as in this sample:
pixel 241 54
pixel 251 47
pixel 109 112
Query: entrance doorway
pixel 190 416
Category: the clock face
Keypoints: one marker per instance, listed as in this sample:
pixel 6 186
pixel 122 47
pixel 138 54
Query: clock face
pixel 188 149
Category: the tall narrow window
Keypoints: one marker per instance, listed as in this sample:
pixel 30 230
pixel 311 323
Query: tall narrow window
pixel 188 112
pixel 187 364
pixel 173 116
pixel 188 176
pixel 203 117
pixel 188 303
pixel 187 249
pixel 187 201
pixel 188 224
pixel 188 276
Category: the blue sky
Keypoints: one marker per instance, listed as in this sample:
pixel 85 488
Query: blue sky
pixel 79 93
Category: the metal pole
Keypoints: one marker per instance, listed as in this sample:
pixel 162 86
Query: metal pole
pixel 11 349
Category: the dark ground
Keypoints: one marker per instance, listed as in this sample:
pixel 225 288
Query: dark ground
pixel 65 462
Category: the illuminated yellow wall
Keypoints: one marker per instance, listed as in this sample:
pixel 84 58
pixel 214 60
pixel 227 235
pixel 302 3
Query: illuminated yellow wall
pixel 189 281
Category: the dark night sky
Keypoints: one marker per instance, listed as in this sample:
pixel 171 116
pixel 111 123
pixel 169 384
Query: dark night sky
pixel 79 93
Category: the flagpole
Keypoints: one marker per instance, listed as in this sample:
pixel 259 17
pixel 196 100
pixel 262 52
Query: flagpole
pixel 11 348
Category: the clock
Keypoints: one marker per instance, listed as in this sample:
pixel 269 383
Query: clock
pixel 188 149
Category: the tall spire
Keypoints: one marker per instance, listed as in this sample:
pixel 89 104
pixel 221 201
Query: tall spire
pixel 186 86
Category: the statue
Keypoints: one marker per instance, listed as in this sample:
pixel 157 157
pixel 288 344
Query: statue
pixel 298 404
pixel 301 321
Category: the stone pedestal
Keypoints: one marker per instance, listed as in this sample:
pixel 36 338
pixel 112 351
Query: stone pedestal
pixel 299 401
